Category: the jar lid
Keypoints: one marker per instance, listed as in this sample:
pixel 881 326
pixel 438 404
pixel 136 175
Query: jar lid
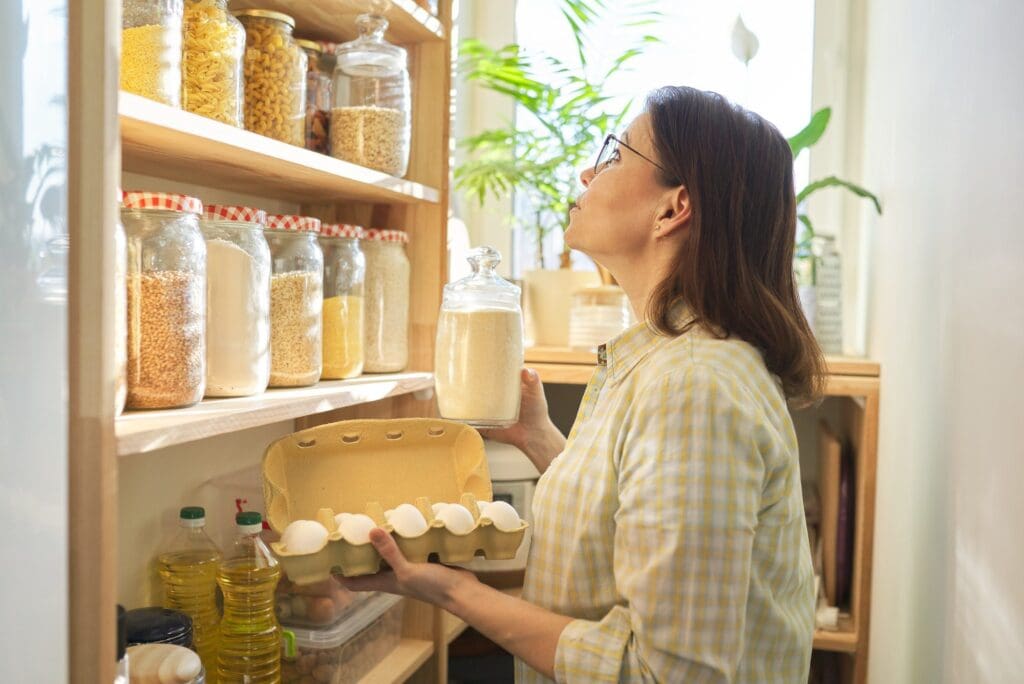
pixel 370 54
pixel 482 289
pixel 230 212
pixel 386 235
pixel 141 199
pixel 158 626
pixel 344 230
pixel 293 223
pixel 266 14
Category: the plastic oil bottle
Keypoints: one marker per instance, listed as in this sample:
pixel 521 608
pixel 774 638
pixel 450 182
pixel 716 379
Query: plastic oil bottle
pixel 188 570
pixel 250 645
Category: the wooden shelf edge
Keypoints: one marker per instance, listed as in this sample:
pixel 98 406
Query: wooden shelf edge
pixel 334 20
pixel 143 431
pixel 842 642
pixel 451 626
pixel 401 663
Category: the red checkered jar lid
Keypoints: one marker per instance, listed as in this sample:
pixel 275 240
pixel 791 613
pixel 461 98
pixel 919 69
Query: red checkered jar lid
pixel 166 201
pixel 386 235
pixel 229 212
pixel 342 230
pixel 287 222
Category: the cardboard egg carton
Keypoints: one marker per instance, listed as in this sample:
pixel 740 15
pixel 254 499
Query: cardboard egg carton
pixel 368 466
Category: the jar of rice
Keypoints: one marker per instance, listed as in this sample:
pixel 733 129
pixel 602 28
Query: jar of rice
pixel 214 45
pixel 296 300
pixel 344 275
pixel 386 339
pixel 151 49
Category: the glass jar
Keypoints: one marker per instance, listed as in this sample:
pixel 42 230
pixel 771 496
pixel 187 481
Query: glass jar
pixel 597 314
pixel 344 276
pixel 237 301
pixel 479 352
pixel 120 314
pixel 318 97
pixel 296 300
pixel 386 339
pixel 214 46
pixel 371 114
pixel 275 77
pixel 151 49
pixel 166 300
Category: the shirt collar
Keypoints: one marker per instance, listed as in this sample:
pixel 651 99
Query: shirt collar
pixel 624 352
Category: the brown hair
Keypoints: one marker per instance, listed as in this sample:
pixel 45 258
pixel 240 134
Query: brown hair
pixel 735 269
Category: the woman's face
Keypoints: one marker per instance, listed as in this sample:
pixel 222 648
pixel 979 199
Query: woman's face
pixel 615 215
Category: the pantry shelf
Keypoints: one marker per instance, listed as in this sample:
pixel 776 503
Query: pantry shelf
pixel 841 641
pixel 143 431
pixel 158 140
pixel 401 663
pixel 335 20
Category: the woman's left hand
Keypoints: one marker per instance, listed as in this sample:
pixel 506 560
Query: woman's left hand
pixel 430 582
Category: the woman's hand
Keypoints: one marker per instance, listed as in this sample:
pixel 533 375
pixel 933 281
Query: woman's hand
pixel 534 434
pixel 430 582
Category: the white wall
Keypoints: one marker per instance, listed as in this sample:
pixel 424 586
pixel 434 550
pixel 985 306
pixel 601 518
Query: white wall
pixel 943 143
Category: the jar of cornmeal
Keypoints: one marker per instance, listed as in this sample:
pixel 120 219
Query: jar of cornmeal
pixel 479 351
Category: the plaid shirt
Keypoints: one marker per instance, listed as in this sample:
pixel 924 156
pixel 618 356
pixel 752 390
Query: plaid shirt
pixel 672 526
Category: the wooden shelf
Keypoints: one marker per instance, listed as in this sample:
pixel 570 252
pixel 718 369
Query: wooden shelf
pixel 335 20
pixel 158 140
pixel 142 431
pixel 451 626
pixel 401 663
pixel 841 641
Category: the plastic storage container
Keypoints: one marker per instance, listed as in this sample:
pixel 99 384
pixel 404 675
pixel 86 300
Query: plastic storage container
pixel 166 300
pixel 237 301
pixel 370 121
pixel 344 288
pixel 275 77
pixel 479 352
pixel 598 314
pixel 296 300
pixel 346 651
pixel 155 625
pixel 386 340
pixel 151 49
pixel 214 47
pixel 316 605
pixel 318 97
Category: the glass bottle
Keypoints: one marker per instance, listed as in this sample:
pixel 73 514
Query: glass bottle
pixel 151 49
pixel 214 47
pixel 386 335
pixel 344 288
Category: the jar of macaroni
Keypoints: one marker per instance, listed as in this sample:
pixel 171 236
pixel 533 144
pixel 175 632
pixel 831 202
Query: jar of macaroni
pixel 344 276
pixel 386 340
pixel 151 49
pixel 214 47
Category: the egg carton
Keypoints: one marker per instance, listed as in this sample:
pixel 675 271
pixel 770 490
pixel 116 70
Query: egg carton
pixel 368 466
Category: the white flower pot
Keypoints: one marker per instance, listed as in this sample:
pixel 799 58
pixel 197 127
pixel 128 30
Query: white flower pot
pixel 547 298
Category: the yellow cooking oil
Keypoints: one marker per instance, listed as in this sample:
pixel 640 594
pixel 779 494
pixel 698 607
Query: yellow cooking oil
pixel 250 642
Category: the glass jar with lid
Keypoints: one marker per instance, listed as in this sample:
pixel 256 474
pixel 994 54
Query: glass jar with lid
pixel 479 352
pixel 597 314
pixel 120 312
pixel 296 300
pixel 214 47
pixel 386 339
pixel 151 49
pixel 370 121
pixel 166 285
pixel 318 97
pixel 275 77
pixel 344 276
pixel 237 301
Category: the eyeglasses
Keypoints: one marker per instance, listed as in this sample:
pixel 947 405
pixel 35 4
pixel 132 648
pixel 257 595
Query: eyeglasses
pixel 610 151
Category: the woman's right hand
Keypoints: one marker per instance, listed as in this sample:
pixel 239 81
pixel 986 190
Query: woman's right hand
pixel 534 433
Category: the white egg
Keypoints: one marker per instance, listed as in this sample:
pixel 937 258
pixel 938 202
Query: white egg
pixel 457 518
pixel 356 528
pixel 408 521
pixel 304 536
pixel 502 515
pixel 437 508
pixel 339 518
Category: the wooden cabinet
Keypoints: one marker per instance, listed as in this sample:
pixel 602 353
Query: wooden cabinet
pixel 126 472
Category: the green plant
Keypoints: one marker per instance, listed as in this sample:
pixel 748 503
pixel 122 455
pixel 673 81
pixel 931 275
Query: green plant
pixel 804 254
pixel 566 99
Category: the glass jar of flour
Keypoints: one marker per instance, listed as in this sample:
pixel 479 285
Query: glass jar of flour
pixel 479 351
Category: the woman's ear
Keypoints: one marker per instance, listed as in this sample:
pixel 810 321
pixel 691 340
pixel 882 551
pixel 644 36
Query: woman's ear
pixel 674 213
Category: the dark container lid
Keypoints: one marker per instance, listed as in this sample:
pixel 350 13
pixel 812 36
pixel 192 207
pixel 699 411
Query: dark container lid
pixel 158 626
pixel 122 633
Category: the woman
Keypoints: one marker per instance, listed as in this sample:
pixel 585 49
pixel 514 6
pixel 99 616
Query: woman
pixel 669 542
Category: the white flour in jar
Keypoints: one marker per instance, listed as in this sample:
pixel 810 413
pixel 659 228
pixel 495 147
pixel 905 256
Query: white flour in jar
pixel 477 361
pixel 237 320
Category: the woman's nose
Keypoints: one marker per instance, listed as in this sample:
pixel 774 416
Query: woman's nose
pixel 586 176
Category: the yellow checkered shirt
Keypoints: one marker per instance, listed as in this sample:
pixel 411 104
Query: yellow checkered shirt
pixel 672 526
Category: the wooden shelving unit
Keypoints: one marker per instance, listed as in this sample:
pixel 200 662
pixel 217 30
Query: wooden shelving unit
pixel 323 20
pixel 401 663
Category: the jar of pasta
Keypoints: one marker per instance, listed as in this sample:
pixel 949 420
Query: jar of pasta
pixel 296 300
pixel 275 77
pixel 344 274
pixel 151 49
pixel 166 302
pixel 318 97
pixel 237 301
pixel 214 46
pixel 386 340
pixel 370 119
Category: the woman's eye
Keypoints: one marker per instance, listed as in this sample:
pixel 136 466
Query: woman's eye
pixel 616 155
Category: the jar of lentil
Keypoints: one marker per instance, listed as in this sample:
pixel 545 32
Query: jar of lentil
pixel 275 77
pixel 120 312
pixel 370 120
pixel 151 49
pixel 296 300
pixel 386 340
pixel 214 46
pixel 318 97
pixel 237 301
pixel 344 275
pixel 166 301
